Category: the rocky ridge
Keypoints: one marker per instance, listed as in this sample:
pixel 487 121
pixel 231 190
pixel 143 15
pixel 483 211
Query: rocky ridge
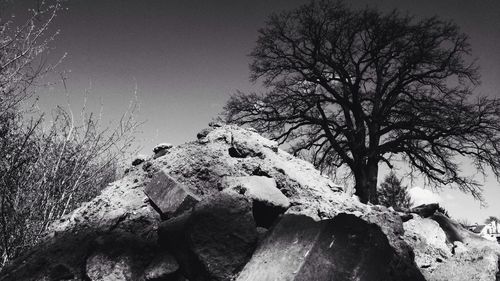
pixel 233 206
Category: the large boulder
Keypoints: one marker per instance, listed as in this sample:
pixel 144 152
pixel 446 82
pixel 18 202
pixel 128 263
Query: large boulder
pixel 267 200
pixel 220 234
pixel 343 248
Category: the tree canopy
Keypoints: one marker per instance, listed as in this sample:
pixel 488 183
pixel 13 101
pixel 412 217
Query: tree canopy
pixel 360 87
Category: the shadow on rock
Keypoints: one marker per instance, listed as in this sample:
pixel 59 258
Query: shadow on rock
pixel 343 248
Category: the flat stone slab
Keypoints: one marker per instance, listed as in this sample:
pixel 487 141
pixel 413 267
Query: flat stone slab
pixel 168 196
pixel 343 248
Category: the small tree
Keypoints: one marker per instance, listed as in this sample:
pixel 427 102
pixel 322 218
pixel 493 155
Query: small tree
pixel 359 88
pixel 393 194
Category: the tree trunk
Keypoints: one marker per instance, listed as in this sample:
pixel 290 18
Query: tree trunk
pixel 366 182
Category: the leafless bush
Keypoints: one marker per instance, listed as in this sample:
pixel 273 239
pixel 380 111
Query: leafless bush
pixel 47 171
pixel 50 163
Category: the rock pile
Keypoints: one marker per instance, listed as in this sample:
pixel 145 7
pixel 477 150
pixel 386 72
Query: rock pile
pixel 232 206
pixel 446 251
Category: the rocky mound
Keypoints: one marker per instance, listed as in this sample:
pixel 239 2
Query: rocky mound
pixel 233 206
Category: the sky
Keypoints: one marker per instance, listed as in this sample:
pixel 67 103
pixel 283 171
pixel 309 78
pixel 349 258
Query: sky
pixel 186 57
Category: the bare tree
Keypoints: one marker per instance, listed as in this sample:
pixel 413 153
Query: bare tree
pixel 47 171
pixel 362 87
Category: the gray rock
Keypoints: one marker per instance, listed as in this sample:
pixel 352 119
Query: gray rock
pixel 459 247
pixel 161 266
pixel 268 201
pixel 428 241
pixel 162 146
pixel 215 124
pixel 258 188
pixel 139 159
pixel 425 210
pixel 343 248
pixel 203 133
pixel 161 149
pixel 470 258
pixel 474 264
pixel 100 267
pixel 168 196
pixel 220 234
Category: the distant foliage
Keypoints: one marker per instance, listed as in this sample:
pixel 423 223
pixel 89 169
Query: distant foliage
pixel 393 194
pixel 492 218
pixel 443 211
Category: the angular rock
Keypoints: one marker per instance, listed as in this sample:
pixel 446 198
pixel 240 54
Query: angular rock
pixel 258 188
pixel 215 124
pixel 161 149
pixel 101 267
pixel 220 233
pixel 139 159
pixel 428 241
pixel 203 133
pixel 172 236
pixel 475 264
pixel 471 258
pixel 425 210
pixel 268 201
pixel 161 266
pixel 120 256
pixel 162 146
pixel 343 248
pixel 168 196
pixel 454 231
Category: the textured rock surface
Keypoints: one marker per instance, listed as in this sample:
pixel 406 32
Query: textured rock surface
pixel 428 241
pixel 222 234
pixel 215 240
pixel 343 248
pixel 445 251
pixel 258 188
pixel 161 267
pixel 101 268
pixel 168 196
pixel 473 265
pixel 118 233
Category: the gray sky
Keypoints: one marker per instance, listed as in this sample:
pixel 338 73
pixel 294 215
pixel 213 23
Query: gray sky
pixel 188 56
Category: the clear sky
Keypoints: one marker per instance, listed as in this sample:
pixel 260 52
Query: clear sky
pixel 187 56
